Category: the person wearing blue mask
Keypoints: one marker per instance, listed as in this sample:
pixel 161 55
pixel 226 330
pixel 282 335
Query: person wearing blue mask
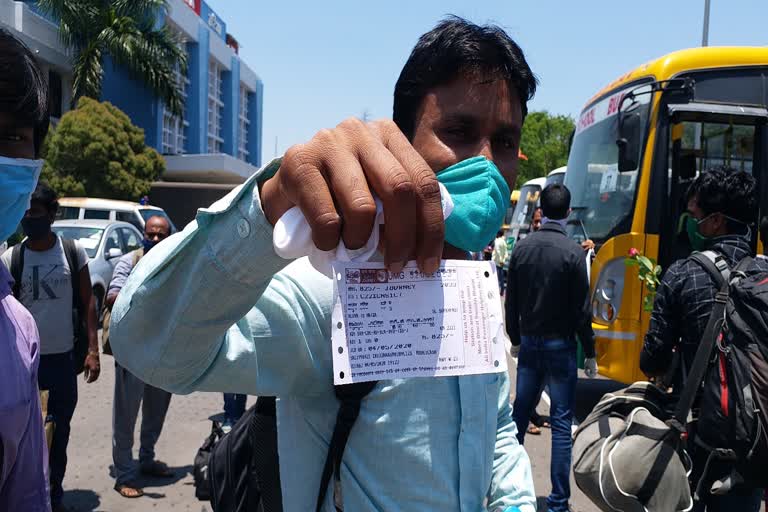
pixel 24 119
pixel 131 393
pixel 215 309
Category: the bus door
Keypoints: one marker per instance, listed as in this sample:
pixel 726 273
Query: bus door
pixel 701 136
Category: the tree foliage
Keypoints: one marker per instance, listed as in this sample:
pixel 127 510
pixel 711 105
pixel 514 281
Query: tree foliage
pixel 96 151
pixel 544 141
pixel 127 31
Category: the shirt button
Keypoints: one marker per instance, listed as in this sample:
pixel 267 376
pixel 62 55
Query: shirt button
pixel 243 228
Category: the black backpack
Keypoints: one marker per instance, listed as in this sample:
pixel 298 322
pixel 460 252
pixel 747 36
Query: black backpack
pixel 733 398
pixel 79 317
pixel 243 468
pixel 201 469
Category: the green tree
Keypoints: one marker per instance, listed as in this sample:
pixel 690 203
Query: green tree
pixel 127 31
pixel 96 151
pixel 545 142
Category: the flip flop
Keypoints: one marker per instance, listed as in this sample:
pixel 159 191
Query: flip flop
pixel 156 469
pixel 534 430
pixel 129 491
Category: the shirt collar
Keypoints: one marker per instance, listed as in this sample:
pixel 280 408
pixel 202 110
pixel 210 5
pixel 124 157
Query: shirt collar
pixel 554 225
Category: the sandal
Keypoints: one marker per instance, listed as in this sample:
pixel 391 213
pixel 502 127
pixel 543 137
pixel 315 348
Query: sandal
pixel 156 469
pixel 129 491
pixel 533 429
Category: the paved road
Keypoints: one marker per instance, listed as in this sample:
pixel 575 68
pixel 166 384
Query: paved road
pixel 88 483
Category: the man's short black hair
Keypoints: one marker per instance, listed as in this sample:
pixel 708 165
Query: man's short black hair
pixel 454 47
pixel 499 233
pixel 727 191
pixel 23 90
pixel 46 197
pixel 555 201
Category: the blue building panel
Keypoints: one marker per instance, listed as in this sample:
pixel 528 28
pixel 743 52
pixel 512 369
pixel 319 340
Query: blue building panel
pixel 135 99
pixel 231 120
pixel 255 115
pixel 197 101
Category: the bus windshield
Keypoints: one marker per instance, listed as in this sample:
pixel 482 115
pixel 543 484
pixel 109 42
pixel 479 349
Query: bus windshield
pixel 602 198
pixel 526 204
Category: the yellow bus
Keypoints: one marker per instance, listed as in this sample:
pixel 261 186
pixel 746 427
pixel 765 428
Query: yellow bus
pixel 638 144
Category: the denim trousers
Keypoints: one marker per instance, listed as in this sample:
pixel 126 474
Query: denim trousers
pixel 57 375
pixel 550 362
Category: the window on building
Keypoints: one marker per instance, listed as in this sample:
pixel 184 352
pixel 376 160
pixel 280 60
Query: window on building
pixel 242 133
pixel 215 107
pixel 54 93
pixel 175 127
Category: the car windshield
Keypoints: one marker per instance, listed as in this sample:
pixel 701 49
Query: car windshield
pixel 88 238
pixel 602 198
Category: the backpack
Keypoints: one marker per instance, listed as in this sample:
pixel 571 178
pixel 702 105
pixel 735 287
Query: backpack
pixel 106 348
pixel 79 316
pixel 243 468
pixel 733 405
pixel 201 466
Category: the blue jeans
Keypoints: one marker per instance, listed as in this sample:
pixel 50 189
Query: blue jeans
pixel 57 375
pixel 234 407
pixel 500 274
pixel 549 362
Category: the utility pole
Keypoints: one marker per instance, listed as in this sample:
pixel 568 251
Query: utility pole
pixel 705 31
pixel 275 146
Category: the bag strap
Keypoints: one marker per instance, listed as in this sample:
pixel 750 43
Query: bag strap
pixel 17 268
pixel 708 339
pixel 70 251
pixel 350 397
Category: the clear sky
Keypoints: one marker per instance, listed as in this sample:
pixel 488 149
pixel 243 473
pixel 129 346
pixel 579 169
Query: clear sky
pixel 322 61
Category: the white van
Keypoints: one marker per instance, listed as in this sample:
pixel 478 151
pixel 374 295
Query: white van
pixel 71 208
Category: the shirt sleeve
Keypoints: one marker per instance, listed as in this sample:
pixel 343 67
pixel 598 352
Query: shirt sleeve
pixel 6 258
pixel 664 329
pixel 511 479
pixel 120 274
pixel 210 310
pixel 580 289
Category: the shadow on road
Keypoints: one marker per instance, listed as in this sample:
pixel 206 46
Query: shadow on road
pixel 590 391
pixel 81 500
pixel 179 473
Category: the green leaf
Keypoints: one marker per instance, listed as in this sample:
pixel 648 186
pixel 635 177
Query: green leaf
pixel 630 262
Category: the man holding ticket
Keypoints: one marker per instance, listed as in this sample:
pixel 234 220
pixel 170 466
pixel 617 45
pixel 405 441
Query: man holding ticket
pixel 214 308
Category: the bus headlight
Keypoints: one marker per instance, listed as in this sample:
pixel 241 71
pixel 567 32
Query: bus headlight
pixel 606 300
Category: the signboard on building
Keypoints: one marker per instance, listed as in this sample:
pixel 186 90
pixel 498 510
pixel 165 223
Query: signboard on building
pixel 194 5
pixel 216 24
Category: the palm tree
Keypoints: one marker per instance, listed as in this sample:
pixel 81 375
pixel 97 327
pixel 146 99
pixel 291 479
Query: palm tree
pixel 126 31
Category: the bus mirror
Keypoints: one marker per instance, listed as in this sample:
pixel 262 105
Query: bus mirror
pixel 629 141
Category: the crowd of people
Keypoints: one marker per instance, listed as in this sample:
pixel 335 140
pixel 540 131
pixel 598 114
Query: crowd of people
pixel 213 308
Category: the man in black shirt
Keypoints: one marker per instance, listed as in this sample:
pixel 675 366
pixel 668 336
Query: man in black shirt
pixel 547 304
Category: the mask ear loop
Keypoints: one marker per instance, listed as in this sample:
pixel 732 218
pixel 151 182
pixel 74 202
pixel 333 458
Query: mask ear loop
pixel 681 222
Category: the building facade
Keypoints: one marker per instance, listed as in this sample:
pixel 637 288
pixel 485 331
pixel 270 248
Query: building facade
pixel 215 144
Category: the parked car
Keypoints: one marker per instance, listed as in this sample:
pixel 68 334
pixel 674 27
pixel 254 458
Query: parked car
pixel 105 242
pixel 71 208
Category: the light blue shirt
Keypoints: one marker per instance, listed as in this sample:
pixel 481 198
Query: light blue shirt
pixel 213 308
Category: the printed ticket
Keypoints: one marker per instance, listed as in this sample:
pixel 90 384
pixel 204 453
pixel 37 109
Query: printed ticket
pixel 411 324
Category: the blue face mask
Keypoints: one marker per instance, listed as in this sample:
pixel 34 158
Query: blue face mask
pixel 148 245
pixel 18 178
pixel 480 200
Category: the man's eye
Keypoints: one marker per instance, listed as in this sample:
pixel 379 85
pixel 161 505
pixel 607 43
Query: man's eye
pixel 507 142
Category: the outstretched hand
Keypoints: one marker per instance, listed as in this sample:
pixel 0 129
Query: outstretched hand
pixel 333 178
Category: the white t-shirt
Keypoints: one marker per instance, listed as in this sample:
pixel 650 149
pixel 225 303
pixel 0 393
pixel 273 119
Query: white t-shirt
pixel 46 291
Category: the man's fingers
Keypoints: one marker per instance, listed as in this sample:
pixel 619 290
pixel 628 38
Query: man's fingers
pixel 303 183
pixel 397 191
pixel 352 195
pixel 429 226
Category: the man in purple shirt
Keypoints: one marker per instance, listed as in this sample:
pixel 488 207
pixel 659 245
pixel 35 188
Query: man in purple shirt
pixel 24 122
